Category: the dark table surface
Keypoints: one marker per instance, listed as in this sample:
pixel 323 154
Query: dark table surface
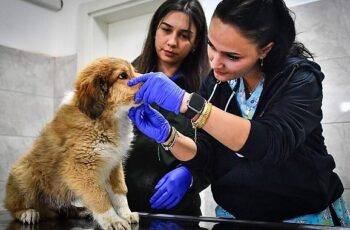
pixel 156 222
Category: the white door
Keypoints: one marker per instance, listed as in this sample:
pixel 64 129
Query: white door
pixel 126 37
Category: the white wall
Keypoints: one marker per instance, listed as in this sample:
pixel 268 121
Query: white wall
pixel 29 27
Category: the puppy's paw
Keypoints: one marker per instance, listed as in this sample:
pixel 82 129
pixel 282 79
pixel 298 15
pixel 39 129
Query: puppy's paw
pixel 131 217
pixel 29 216
pixel 134 217
pixel 115 224
pixel 124 212
pixel 111 221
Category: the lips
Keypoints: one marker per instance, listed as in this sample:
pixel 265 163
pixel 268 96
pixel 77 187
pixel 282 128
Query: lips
pixel 169 53
pixel 218 72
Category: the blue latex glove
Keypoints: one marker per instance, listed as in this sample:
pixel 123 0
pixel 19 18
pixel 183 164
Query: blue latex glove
pixel 159 89
pixel 171 188
pixel 150 122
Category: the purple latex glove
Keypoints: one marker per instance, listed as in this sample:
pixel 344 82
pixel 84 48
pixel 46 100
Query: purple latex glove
pixel 171 188
pixel 150 122
pixel 159 89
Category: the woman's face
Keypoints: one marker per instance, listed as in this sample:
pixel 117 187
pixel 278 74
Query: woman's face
pixel 231 54
pixel 174 39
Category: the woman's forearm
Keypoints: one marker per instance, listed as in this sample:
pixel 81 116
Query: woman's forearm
pixel 184 148
pixel 229 129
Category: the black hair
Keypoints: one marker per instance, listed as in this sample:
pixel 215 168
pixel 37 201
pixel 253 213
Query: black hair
pixel 264 21
pixel 196 64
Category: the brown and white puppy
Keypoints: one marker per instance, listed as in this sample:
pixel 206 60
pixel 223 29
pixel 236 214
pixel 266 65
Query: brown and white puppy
pixel 79 154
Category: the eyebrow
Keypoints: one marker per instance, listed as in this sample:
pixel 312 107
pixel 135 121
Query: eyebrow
pixel 183 30
pixel 224 52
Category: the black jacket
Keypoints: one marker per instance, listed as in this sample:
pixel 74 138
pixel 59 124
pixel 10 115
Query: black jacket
pixel 286 171
pixel 148 162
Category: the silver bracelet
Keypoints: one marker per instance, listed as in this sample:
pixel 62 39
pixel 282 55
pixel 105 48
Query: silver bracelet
pixel 171 142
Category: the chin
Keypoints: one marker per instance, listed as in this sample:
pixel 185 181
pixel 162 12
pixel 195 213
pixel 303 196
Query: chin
pixel 223 77
pixel 169 60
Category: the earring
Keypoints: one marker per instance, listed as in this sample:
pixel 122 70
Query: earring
pixel 262 62
pixel 194 49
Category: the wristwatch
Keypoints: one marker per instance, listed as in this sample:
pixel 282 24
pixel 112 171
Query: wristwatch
pixel 195 105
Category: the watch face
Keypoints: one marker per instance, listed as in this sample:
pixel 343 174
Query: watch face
pixel 196 103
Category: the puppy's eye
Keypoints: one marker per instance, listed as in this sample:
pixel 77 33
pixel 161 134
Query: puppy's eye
pixel 123 76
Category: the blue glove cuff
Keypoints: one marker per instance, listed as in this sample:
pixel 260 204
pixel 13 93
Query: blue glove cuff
pixel 189 173
pixel 178 106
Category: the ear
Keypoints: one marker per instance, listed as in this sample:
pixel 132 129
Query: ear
pixel 266 50
pixel 91 97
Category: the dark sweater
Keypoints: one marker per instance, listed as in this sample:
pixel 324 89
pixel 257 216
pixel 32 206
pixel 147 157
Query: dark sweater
pixel 286 171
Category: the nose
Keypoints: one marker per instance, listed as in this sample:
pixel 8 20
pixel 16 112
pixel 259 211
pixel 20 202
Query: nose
pixel 216 60
pixel 172 40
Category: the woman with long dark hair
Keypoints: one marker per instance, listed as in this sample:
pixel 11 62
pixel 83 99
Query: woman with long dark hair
pixel 175 45
pixel 258 117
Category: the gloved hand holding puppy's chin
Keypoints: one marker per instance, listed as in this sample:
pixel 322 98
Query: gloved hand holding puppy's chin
pixel 159 89
pixel 150 122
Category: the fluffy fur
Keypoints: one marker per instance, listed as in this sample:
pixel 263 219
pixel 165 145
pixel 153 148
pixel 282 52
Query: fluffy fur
pixel 79 155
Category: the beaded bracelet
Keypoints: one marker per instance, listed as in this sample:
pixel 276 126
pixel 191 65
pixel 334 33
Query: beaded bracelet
pixel 169 143
pixel 203 117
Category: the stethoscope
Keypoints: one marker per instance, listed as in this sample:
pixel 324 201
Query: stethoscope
pixel 234 90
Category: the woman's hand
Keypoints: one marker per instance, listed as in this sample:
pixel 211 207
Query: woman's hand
pixel 171 188
pixel 150 122
pixel 158 88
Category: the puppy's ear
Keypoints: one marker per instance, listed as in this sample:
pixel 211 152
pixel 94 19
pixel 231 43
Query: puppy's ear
pixel 91 97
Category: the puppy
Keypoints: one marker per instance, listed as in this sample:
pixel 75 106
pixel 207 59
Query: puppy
pixel 78 158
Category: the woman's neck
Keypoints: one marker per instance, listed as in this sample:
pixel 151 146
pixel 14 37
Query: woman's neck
pixel 252 80
pixel 167 69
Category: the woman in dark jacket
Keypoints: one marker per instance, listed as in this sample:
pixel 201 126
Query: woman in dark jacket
pixel 175 45
pixel 260 117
